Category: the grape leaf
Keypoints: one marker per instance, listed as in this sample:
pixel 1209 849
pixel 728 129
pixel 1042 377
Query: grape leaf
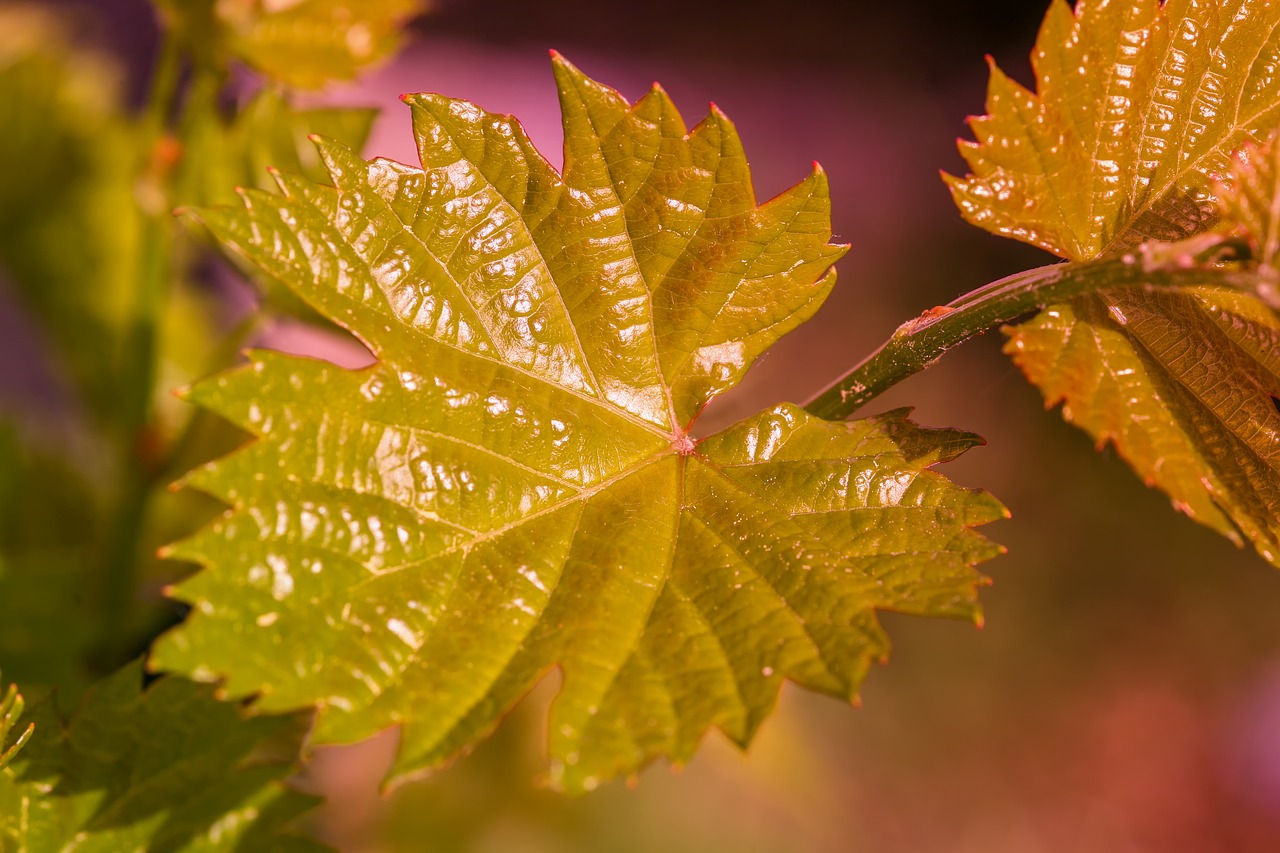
pixel 513 486
pixel 268 132
pixel 165 769
pixel 1138 107
pixel 307 43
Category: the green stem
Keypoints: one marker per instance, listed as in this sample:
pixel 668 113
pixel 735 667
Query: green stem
pixel 920 342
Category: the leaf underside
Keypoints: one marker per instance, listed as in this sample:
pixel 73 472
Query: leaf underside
pixel 165 769
pixel 513 487
pixel 1138 109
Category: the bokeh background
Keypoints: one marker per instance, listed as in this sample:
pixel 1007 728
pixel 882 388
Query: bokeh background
pixel 1125 692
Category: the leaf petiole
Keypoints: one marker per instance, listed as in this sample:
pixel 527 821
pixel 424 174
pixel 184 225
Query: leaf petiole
pixel 921 341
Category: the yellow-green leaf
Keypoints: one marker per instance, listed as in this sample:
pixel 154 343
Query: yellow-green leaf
pixel 513 487
pixel 308 43
pixel 1138 107
pixel 268 133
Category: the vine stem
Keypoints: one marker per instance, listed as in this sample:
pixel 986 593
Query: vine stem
pixel 921 341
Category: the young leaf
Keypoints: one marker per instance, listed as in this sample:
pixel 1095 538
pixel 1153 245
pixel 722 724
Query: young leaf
pixel 165 769
pixel 1138 106
pixel 513 486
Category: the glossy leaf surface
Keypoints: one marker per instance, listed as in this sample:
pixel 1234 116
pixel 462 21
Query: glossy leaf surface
pixel 513 486
pixel 268 133
pixel 165 769
pixel 1138 107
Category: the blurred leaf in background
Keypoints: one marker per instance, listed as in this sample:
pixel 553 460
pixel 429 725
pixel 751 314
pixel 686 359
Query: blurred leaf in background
pixel 166 768
pixel 298 43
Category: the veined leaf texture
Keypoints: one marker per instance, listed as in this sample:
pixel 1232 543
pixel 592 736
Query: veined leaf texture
pixel 514 487
pixel 1139 107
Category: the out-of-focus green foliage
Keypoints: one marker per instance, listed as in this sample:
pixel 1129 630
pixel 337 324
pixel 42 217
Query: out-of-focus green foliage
pixel 48 618
pixel 266 133
pixel 166 768
pixel 68 219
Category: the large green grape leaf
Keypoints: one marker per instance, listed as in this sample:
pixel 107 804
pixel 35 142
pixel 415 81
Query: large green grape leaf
pixel 513 486
pixel 168 768
pixel 1138 107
